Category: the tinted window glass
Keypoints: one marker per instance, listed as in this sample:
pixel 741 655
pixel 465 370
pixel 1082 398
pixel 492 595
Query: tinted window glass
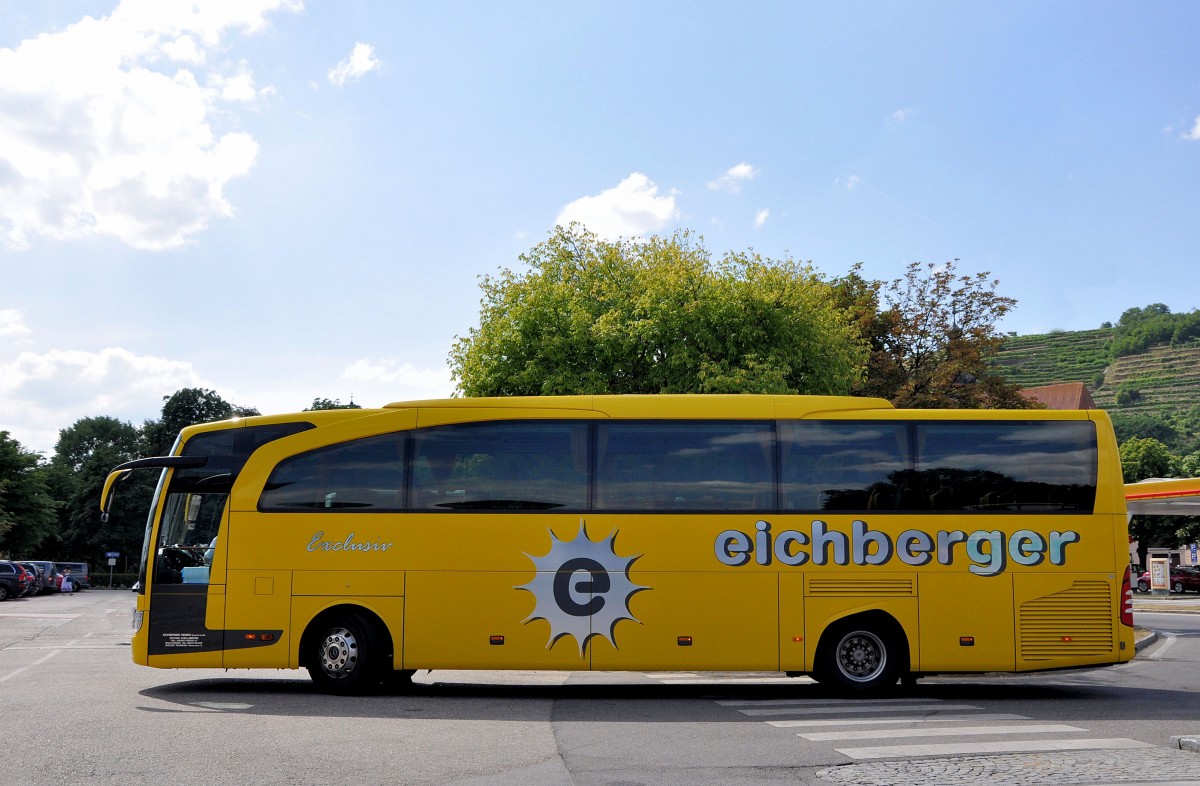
pixel 510 465
pixel 845 466
pixel 1027 466
pixel 698 465
pixel 227 452
pixel 361 475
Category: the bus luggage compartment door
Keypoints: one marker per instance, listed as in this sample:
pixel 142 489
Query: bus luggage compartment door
pixel 257 610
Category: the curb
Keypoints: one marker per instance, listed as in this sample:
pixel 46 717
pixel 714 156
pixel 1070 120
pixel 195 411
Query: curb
pixel 1186 743
pixel 1143 643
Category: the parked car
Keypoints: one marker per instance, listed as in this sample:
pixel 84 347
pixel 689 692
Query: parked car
pixel 13 580
pixel 35 578
pixel 46 573
pixel 79 573
pixel 1182 579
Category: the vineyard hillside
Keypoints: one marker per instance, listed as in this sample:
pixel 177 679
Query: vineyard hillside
pixel 1161 381
pixel 1077 356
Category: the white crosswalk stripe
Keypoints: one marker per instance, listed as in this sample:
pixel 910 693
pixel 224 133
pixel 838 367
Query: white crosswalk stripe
pixel 933 718
pixel 955 731
pixel 910 718
pixel 856 707
pixel 975 748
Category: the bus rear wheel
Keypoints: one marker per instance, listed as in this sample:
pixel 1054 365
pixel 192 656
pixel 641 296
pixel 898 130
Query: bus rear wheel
pixel 345 656
pixel 860 657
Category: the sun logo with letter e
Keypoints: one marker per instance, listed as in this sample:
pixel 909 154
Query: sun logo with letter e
pixel 581 588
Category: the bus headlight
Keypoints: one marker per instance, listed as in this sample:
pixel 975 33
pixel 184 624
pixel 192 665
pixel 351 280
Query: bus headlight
pixel 137 620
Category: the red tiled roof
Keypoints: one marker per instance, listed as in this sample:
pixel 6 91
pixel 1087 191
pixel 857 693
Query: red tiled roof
pixel 1065 395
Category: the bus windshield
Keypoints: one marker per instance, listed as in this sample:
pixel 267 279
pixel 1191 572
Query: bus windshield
pixel 195 500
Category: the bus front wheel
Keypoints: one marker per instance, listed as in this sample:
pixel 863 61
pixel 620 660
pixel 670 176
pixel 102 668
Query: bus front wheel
pixel 860 657
pixel 345 656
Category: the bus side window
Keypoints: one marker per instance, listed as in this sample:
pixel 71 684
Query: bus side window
pixel 702 466
pixel 845 465
pixel 1019 466
pixel 358 475
pixel 504 465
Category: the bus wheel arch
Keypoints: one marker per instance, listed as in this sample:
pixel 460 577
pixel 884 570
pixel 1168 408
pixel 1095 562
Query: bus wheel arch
pixel 862 653
pixel 347 650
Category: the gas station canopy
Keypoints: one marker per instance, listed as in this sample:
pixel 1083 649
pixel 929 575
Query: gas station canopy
pixel 1158 497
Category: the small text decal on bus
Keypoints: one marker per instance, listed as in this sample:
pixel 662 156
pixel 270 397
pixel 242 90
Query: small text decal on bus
pixel 988 550
pixel 319 543
pixel 582 588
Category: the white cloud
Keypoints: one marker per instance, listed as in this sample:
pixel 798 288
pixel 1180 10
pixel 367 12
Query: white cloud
pixel 761 217
pixel 47 392
pixel 632 209
pixel 381 381
pixel 899 116
pixel 239 87
pixel 1194 134
pixel 361 60
pixel 733 178
pixel 105 127
pixel 12 325
pixel 849 183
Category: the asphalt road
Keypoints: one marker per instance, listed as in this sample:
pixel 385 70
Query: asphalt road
pixel 77 709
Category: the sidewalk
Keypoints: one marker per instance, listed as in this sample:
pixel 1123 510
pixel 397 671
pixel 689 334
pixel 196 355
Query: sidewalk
pixel 1185 603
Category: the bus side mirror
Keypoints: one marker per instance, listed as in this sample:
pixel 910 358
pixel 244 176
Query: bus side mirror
pixel 106 497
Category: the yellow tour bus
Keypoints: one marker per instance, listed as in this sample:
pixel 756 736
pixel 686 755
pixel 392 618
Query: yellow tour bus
pixel 834 537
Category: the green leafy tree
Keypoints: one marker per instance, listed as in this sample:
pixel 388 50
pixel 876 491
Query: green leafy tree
pixel 932 338
pixel 655 316
pixel 184 408
pixel 83 456
pixel 26 507
pixel 324 403
pixel 1143 458
pixel 1128 425
pixel 1155 325
pixel 1189 465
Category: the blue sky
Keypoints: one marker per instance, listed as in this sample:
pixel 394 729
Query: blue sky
pixel 282 200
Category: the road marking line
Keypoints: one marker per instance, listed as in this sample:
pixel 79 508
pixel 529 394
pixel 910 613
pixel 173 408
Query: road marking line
pixel 1013 746
pixel 940 731
pixel 1171 638
pixel 12 674
pixel 848 710
pixel 40 616
pixel 815 702
pixel 805 724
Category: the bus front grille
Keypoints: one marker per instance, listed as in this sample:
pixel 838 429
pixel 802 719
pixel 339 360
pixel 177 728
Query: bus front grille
pixel 1077 621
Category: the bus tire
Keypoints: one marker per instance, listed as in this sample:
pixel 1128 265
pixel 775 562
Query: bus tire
pixel 345 655
pixel 861 655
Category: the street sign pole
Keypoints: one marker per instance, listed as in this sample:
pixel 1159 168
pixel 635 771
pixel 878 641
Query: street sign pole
pixel 112 560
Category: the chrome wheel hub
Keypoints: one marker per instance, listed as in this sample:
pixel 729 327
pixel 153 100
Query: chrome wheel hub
pixel 861 656
pixel 339 653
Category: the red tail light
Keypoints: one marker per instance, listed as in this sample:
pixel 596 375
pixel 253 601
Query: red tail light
pixel 1127 601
